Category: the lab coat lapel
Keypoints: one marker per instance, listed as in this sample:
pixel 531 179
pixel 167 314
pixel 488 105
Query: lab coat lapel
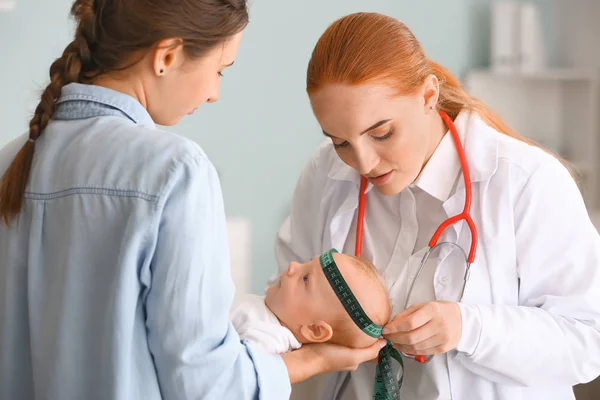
pixel 342 219
pixel 453 206
pixel 480 143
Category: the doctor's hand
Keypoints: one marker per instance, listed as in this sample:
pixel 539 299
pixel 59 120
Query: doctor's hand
pixel 314 359
pixel 426 329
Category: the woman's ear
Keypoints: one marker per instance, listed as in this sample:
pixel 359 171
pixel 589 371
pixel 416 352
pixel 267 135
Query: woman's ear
pixel 431 93
pixel 168 53
pixel 318 332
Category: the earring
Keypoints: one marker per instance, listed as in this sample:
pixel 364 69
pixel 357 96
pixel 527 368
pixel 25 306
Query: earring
pixel 161 71
pixel 432 107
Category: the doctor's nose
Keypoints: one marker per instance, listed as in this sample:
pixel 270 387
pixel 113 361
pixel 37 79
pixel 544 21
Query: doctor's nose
pixel 366 160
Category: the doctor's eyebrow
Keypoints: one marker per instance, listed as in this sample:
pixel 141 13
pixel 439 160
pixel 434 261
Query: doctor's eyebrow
pixel 372 127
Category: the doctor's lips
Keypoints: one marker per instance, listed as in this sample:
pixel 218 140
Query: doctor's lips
pixel 380 179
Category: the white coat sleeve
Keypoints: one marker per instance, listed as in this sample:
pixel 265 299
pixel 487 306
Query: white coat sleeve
pixel 553 336
pixel 298 238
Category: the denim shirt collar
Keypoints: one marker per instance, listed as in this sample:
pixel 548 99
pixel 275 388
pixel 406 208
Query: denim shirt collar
pixel 79 101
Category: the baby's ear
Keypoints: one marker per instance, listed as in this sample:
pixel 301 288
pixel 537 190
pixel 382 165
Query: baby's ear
pixel 318 332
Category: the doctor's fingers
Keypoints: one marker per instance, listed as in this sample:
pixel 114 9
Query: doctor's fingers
pixel 414 337
pixel 409 310
pixel 431 346
pixel 429 343
pixel 411 319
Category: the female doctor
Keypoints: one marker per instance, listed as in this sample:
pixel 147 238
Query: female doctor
pixel 528 323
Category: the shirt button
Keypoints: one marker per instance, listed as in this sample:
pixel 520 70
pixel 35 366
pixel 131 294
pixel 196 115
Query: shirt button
pixel 444 280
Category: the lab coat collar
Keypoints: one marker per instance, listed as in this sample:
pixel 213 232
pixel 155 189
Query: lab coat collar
pixel 340 171
pixel 439 176
pixel 481 146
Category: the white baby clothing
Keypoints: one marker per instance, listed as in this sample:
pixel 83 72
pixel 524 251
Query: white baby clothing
pixel 258 325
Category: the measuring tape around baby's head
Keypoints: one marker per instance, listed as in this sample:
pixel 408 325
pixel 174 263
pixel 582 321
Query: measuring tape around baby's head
pixel 349 301
pixel 386 385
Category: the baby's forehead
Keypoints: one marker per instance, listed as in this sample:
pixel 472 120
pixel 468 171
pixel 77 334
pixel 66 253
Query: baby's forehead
pixel 359 274
pixel 349 265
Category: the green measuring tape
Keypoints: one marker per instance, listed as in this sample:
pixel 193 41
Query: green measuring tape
pixel 386 385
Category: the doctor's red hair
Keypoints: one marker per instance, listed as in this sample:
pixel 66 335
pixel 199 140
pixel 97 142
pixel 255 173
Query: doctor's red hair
pixel 373 48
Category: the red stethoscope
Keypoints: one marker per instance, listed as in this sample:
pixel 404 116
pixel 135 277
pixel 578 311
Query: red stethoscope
pixel 433 243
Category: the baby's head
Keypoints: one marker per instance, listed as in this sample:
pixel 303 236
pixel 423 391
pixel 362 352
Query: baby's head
pixel 305 302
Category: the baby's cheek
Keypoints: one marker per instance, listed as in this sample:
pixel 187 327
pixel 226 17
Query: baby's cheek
pixel 318 310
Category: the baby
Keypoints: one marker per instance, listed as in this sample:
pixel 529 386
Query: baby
pixel 302 307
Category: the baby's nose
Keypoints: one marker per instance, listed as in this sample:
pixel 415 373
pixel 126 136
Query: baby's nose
pixel 292 268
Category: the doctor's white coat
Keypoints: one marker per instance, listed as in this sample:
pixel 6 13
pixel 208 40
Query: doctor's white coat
pixel 531 311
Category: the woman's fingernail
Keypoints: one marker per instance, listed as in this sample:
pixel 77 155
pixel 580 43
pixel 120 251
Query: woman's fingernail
pixel 382 344
pixel 385 331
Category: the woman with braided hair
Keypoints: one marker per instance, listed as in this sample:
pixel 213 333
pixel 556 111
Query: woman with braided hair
pixel 114 266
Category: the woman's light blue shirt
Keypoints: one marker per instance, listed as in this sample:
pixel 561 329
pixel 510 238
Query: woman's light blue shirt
pixel 115 279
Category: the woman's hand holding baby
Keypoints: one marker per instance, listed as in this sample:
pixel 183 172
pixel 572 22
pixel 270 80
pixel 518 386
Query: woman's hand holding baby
pixel 426 329
pixel 341 358
pixel 314 359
